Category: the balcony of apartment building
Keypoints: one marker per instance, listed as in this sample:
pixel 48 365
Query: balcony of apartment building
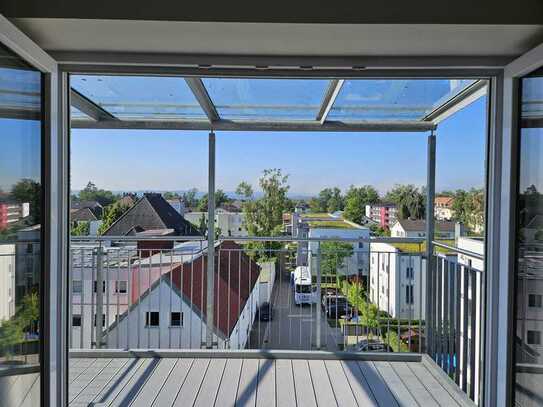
pixel 163 315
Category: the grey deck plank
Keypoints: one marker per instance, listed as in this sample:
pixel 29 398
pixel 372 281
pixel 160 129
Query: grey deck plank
pixel 80 369
pixel 21 388
pixel 99 383
pixel 248 382
pixel 432 385
pixel 305 395
pixel 265 394
pixel 116 381
pixel 135 383
pixel 286 394
pixel 419 391
pixel 173 383
pixel 210 386
pixel 396 385
pixel 86 377
pixel 190 388
pixel 321 383
pixel 152 387
pixel 358 383
pixel 450 386
pixel 340 385
pixel 378 387
pixel 226 396
pixel 32 398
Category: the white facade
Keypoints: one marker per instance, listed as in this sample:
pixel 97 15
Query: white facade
pixel 230 223
pixel 7 281
pixel 443 213
pixel 397 230
pixel 397 281
pixel 357 264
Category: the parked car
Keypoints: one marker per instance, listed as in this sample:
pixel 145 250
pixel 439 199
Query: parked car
pixel 338 310
pixel 329 300
pixel 373 346
pixel 265 312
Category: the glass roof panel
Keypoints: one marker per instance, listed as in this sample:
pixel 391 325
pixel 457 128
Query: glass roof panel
pixel 140 97
pixel 266 99
pixel 75 113
pixel 532 98
pixel 20 91
pixel 393 99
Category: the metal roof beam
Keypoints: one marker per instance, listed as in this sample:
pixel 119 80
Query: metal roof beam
pixel 458 102
pixel 244 125
pixel 90 108
pixel 329 99
pixel 200 93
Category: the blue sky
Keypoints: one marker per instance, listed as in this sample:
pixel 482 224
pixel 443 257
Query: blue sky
pixel 177 160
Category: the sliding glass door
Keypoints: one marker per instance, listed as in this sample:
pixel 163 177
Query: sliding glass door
pixel 21 210
pixel 528 348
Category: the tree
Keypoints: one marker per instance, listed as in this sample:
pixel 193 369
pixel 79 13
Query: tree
pixel 468 208
pixel 370 317
pixel 328 200
pixel 27 190
pixel 333 255
pixel 92 193
pixel 81 229
pixel 356 200
pixel 189 198
pixel 410 201
pixel 111 214
pixel 220 199
pixel 245 190
pixel 170 195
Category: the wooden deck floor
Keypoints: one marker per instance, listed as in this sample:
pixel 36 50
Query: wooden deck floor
pixel 257 382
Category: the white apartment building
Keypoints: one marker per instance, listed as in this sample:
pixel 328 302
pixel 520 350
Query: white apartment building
pixel 230 223
pixel 357 264
pixel 397 279
pixel 443 207
pixel 444 230
pixel 7 281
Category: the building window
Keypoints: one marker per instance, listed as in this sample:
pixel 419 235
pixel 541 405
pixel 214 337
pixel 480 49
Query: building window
pixel 121 286
pixel 534 338
pixel 176 319
pixel 152 318
pixel 409 274
pixel 29 248
pixel 76 320
pixel 409 294
pixel 103 286
pixel 534 300
pixel 360 245
pixel 77 287
pixel 103 320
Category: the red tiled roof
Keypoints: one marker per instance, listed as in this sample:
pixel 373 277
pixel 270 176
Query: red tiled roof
pixel 235 276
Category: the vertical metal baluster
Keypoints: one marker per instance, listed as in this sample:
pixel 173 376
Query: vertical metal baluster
pixel 218 291
pixel 171 301
pixel 388 299
pixel 446 322
pixel 457 320
pixel 472 319
pixel 464 371
pixel 251 299
pixel 180 341
pixel 130 280
pixel 99 299
pixel 229 291
pixel 140 279
pixel 240 310
pixel 411 283
pixel 451 318
pixel 438 311
pixel 397 282
pixel 148 318
pixel 202 337
pixel 481 332
pixel 106 287
pixel 118 292
pixel 300 311
pixel 422 286
pixel 71 298
pixel 82 301
pixel 192 293
pixel 378 299
pixel 319 294
pixel 159 288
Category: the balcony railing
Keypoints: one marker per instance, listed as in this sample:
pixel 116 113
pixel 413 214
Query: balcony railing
pixel 339 295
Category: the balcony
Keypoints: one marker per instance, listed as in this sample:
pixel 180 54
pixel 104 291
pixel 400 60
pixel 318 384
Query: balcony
pixel 157 345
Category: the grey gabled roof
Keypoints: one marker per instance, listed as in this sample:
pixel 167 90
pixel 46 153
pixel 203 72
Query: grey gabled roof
pixel 151 212
pixel 417 225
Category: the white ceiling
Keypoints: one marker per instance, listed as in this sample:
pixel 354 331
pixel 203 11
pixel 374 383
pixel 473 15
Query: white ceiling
pixel 281 38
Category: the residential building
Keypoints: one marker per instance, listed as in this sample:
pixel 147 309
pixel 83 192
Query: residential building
pixel 417 228
pixel 151 212
pixel 397 279
pixel 443 207
pixel 357 263
pixel 7 281
pixel 230 224
pixel 168 301
pixel 28 268
pixel 384 213
pixel 94 206
pixel 11 212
